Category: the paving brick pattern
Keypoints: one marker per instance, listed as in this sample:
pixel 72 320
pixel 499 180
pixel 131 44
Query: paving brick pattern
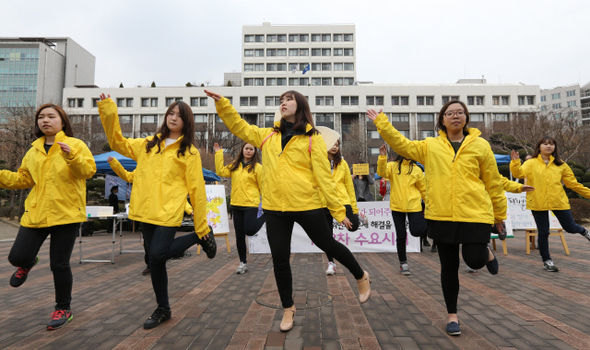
pixel 524 307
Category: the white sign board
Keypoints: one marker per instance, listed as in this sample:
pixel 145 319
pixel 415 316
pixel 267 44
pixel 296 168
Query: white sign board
pixel 520 217
pixel 378 237
pixel 217 208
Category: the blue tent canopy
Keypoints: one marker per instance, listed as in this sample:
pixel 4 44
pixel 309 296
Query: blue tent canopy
pixel 103 167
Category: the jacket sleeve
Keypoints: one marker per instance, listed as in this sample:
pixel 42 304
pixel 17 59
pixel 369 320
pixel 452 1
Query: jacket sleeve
pixel 188 209
pixel 219 168
pixel 20 179
pixel 493 183
pixel 382 167
pixel 117 167
pixel 399 143
pixel 569 180
pixel 349 186
pixel 511 186
pixel 131 148
pixel 238 126
pixel 80 161
pixel 258 170
pixel 323 176
pixel 516 169
pixel 421 184
pixel 195 185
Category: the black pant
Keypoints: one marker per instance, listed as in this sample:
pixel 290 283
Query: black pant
pixel 417 229
pixel 542 220
pixel 354 219
pixel 475 255
pixel 279 229
pixel 63 237
pixel 162 245
pixel 246 224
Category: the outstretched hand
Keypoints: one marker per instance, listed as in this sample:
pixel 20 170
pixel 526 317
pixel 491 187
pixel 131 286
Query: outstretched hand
pixel 383 150
pixel 104 97
pixel 514 155
pixel 64 148
pixel 110 159
pixel 527 188
pixel 216 147
pixel 372 114
pixel 213 95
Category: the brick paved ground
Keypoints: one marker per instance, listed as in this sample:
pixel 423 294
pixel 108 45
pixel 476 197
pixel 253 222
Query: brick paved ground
pixel 524 307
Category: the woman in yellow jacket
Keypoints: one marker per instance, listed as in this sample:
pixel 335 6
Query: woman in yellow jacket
pixel 168 167
pixel 56 168
pixel 464 194
pixel 245 172
pixel 546 172
pixel 346 196
pixel 295 170
pixel 407 190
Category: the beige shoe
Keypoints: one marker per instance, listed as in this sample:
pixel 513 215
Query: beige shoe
pixel 287 322
pixel 364 288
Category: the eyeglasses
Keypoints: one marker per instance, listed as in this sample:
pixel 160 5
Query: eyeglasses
pixel 459 113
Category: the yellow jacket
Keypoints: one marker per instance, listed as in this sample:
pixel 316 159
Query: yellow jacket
pixel 406 189
pixel 127 176
pixel 58 182
pixel 344 187
pixel 291 178
pixel 162 180
pixel 547 179
pixel 245 185
pixel 511 186
pixel 462 187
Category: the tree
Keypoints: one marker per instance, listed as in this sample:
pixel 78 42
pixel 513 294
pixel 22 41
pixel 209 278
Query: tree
pixel 153 84
pixel 121 85
pixel 354 147
pixel 229 83
pixel 188 84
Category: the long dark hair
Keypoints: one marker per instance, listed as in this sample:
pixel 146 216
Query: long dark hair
pixel 67 128
pixel 400 159
pixel 251 167
pixel 302 114
pixel 188 130
pixel 557 161
pixel 337 157
pixel 441 116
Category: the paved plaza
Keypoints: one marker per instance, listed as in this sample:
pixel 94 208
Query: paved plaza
pixel 523 307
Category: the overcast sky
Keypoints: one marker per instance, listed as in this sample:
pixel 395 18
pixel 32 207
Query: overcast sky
pixel 172 42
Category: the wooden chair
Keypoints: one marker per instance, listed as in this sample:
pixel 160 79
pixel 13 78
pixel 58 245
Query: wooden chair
pixel 503 245
pixel 223 234
pixel 531 233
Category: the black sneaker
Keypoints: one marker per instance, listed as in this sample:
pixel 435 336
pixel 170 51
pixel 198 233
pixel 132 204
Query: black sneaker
pixel 159 316
pixel 20 276
pixel 209 245
pixel 426 243
pixel 586 234
pixel 550 266
pixel 493 265
pixel 59 318
pixel 453 328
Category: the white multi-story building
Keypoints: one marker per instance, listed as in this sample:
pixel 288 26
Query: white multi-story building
pixel 561 99
pixel 276 58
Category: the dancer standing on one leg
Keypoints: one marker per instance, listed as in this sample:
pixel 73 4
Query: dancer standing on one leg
pixel 464 195
pixel 346 196
pixel 546 172
pixel 408 188
pixel 245 172
pixel 168 167
pixel 295 167
pixel 56 168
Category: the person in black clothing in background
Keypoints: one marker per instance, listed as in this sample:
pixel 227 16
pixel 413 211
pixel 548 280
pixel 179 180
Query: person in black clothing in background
pixel 113 202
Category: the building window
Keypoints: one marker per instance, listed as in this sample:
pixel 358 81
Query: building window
pixel 145 102
pixel 475 100
pixel 258 81
pixel 426 133
pixel 169 101
pixel 203 101
pixel 571 103
pixel 149 119
pixel 338 37
pixel 282 38
pixel 246 101
pixel 348 81
pixel 326 37
pixel 326 52
pixel 271 52
pixel 293 38
pixel 271 67
pixel 248 81
pixel 338 52
pixel 259 38
pixel 120 102
pixel 129 102
pixel 400 117
pixel 325 119
pixel 293 81
pixel 259 53
pixel 281 52
pixel 501 100
pixel 349 100
pixel 248 38
pixel 348 52
pixel 154 102
pixel 530 100
pixel 304 38
pixel 570 93
pixel 543 98
pixel 446 99
pixel 304 81
pixel 316 52
pixel 424 100
pixel 339 81
pixel 326 81
pixel 326 66
pixel 476 117
pixel 271 38
pixel 316 38
pixel 200 118
pixel 347 37
pixel 425 117
pixel 400 100
pixel 556 96
pixel 303 52
pixel 521 100
pixel 281 81
pixel 316 66
pixel 324 100
pixel 544 108
pixel 272 101
pixel 248 53
pixel 281 67
pixel 338 66
pixel 293 52
pixel 500 117
pixel 195 100
pixel 269 120
pixel 259 67
pixel 271 81
pixel 557 105
pixel 374 151
pixel 373 134
pixel 375 100
pixel 248 67
pixel 95 102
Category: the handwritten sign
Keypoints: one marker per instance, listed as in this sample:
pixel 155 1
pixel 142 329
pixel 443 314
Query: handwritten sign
pixel 360 169
pixel 217 208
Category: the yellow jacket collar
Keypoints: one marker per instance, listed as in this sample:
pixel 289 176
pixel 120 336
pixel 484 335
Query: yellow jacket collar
pixel 540 158
pixel 59 137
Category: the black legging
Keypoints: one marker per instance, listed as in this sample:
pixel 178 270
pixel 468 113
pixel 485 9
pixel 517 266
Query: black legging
pixel 279 229
pixel 354 219
pixel 162 246
pixel 475 255
pixel 246 224
pixel 417 229
pixel 63 237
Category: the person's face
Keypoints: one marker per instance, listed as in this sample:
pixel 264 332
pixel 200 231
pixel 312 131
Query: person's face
pixel 454 118
pixel 49 121
pixel 288 107
pixel 174 121
pixel 249 151
pixel 547 148
pixel 115 191
pixel 334 149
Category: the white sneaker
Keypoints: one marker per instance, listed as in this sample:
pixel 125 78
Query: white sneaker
pixel 331 269
pixel 469 269
pixel 586 234
pixel 550 266
pixel 404 269
pixel 242 268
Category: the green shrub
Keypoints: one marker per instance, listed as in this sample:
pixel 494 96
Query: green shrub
pixel 504 170
pixel 94 185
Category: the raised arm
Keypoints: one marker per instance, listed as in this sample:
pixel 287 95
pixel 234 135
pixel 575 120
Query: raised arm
pixel 220 169
pixel 109 117
pixel 79 159
pixel 415 150
pixel 569 180
pixel 515 166
pixel 382 162
pixel 118 168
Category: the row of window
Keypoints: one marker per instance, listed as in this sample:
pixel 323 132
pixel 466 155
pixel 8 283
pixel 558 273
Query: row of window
pixel 557 95
pixel 145 102
pixel 293 38
pixel 282 67
pixel 298 52
pixel 544 108
pixel 299 81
